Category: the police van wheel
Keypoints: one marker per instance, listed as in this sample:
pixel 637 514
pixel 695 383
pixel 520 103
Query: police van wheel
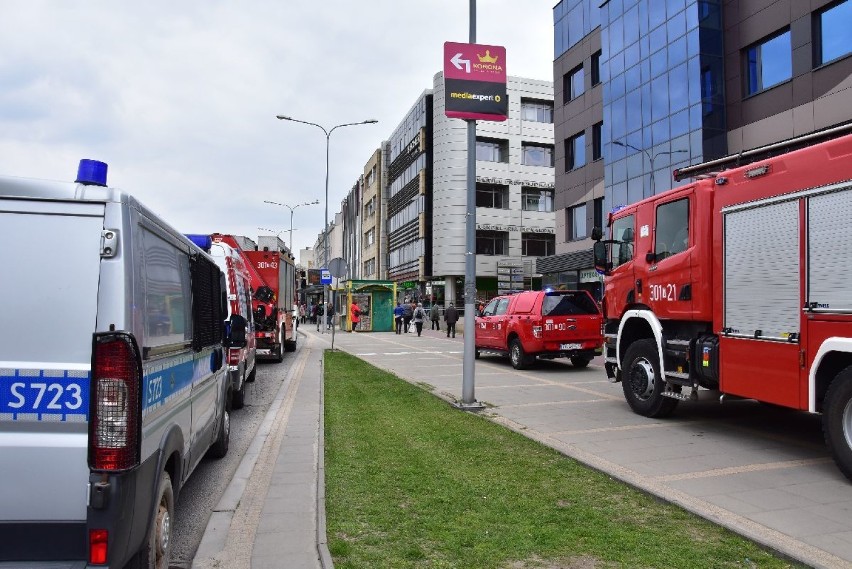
pixel 837 421
pixel 253 375
pixel 223 441
pixel 641 381
pixel 157 549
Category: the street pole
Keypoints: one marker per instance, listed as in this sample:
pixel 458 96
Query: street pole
pixel 468 368
pixel 292 209
pixel 650 158
pixel 327 133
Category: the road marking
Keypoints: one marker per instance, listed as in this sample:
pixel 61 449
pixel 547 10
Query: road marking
pixel 546 403
pixel 743 469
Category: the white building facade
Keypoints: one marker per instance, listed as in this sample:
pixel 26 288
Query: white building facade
pixel 515 179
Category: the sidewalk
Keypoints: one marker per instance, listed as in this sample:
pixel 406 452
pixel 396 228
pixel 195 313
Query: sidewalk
pixel 269 517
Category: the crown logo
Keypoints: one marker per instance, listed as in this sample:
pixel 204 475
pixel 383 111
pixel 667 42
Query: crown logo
pixel 487 58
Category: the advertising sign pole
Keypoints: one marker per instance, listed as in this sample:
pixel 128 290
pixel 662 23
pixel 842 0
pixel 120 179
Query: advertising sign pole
pixel 468 369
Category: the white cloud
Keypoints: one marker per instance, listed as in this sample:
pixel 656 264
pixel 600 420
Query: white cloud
pixel 180 98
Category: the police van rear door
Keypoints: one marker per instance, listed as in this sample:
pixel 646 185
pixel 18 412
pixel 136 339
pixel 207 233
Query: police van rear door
pixel 50 256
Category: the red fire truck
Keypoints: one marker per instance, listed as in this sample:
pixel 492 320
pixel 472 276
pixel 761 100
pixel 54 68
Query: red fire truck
pixel 739 282
pixel 273 282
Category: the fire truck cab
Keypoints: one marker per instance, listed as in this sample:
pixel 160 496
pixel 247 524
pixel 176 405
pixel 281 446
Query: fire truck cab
pixel 738 282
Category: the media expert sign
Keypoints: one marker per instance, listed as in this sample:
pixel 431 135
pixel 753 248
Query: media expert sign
pixel 475 81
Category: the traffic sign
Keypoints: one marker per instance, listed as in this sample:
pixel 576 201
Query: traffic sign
pixel 475 81
pixel 325 276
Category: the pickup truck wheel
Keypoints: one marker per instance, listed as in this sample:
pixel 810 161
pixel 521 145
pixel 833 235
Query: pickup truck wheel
pixel 157 548
pixel 837 421
pixel 580 362
pixel 223 440
pixel 641 381
pixel 519 358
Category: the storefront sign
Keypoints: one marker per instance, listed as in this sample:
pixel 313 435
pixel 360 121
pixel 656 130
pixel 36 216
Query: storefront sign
pixel 509 181
pixel 514 228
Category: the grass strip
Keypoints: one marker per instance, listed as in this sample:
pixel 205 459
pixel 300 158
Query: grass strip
pixel 412 482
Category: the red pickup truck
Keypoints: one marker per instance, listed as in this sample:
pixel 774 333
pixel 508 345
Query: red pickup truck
pixel 542 324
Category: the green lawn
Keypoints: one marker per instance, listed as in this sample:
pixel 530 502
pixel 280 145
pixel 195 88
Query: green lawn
pixel 412 482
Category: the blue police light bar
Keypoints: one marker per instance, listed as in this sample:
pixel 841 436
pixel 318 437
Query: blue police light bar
pixel 202 241
pixel 92 173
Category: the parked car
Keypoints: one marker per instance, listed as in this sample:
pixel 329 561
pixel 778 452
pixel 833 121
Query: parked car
pixel 112 383
pixel 541 324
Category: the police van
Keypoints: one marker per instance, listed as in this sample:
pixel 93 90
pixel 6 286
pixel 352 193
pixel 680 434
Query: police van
pixel 112 380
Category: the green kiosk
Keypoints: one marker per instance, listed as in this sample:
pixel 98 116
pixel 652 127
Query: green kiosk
pixel 376 301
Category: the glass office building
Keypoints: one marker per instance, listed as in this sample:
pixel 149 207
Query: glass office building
pixel 663 105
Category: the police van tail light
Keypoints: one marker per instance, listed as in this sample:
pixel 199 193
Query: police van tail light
pixel 116 406
pixel 234 356
pixel 98 541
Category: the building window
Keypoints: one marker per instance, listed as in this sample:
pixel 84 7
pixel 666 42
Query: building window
pixel 371 176
pixel 538 244
pixel 369 267
pixel 596 68
pixel 536 199
pixel 576 222
pixel 490 150
pixel 537 111
pixel 598 213
pixel 575 151
pixel 537 155
pixel 492 242
pixel 769 63
pixel 833 25
pixel 597 141
pixel 370 237
pixel 370 207
pixel 573 84
pixel 488 195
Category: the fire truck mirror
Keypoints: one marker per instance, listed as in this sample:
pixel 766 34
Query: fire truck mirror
pixel 597 233
pixel 601 258
pixel 237 336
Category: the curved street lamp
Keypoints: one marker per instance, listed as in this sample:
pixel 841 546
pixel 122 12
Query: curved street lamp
pixel 292 209
pixel 327 132
pixel 650 158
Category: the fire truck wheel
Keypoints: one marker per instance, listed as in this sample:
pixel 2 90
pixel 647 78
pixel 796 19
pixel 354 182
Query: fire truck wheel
pixel 157 549
pixel 519 358
pixel 837 421
pixel 641 381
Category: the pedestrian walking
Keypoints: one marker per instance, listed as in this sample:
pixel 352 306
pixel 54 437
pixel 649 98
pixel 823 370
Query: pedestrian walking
pixel 435 317
pixel 354 316
pixel 329 316
pixel 318 314
pixel 419 317
pixel 451 316
pixel 397 317
pixel 302 313
pixel 407 315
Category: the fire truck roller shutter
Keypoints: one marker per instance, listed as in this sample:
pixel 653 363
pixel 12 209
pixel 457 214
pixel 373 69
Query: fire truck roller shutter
pixel 829 251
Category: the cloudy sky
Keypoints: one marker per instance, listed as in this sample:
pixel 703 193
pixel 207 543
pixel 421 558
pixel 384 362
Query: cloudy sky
pixel 180 97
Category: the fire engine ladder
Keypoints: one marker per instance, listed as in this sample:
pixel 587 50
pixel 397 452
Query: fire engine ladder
pixel 712 168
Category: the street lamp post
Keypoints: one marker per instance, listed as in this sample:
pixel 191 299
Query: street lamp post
pixel 327 133
pixel 650 157
pixel 292 209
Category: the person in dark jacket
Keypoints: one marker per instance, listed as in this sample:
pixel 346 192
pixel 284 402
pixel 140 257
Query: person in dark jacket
pixel 451 316
pixel 435 317
pixel 407 315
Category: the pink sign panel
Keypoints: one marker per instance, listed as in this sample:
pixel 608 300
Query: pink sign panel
pixel 475 62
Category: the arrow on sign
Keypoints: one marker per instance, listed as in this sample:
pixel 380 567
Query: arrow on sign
pixel 457 61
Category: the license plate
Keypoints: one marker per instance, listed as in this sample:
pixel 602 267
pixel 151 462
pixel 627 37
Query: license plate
pixel 570 346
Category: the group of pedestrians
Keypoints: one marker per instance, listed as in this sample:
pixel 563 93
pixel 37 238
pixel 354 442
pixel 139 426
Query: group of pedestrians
pixel 406 313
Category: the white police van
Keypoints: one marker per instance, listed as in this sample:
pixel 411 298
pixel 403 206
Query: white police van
pixel 112 383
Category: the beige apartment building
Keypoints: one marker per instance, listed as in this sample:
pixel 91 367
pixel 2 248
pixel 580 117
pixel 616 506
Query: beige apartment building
pixel 373 238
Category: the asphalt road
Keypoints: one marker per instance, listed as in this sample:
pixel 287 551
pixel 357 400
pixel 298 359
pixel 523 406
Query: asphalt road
pixel 207 484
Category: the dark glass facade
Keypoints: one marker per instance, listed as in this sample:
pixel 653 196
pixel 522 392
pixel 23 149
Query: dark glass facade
pixel 663 105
